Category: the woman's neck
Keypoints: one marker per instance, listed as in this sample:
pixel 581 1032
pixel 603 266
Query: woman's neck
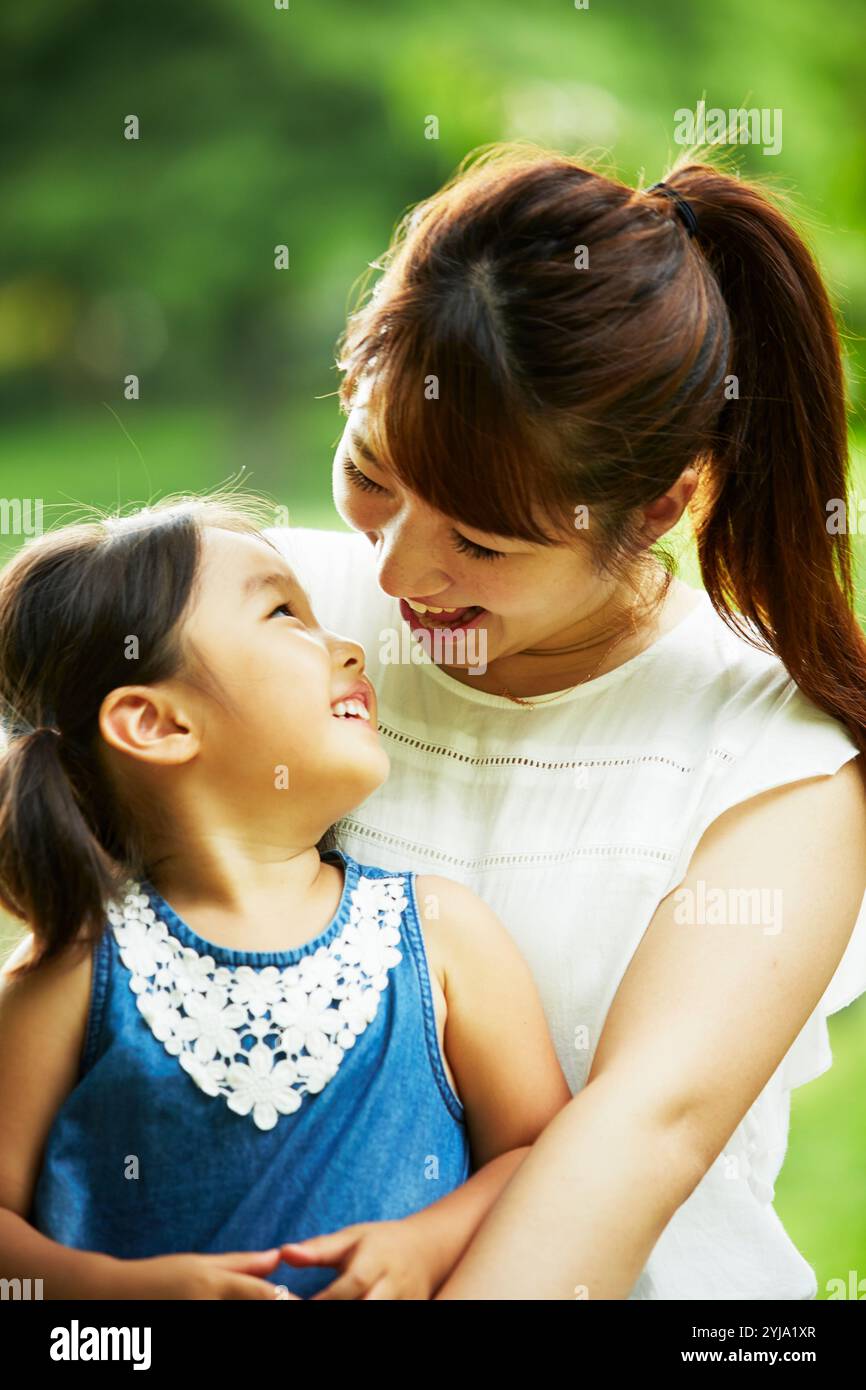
pixel 615 633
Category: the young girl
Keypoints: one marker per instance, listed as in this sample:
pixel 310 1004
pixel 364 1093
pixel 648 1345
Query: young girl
pixel 263 1042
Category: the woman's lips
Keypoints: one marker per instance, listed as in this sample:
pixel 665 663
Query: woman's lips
pixel 441 622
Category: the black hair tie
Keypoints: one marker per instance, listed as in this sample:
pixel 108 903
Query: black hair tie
pixel 684 209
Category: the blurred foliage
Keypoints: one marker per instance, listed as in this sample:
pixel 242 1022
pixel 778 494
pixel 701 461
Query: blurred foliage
pixel 306 127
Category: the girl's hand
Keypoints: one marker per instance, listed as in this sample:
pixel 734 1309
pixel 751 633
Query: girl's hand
pixel 377 1260
pixel 200 1276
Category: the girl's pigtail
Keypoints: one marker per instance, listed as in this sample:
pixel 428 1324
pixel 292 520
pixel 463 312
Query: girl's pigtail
pixel 53 869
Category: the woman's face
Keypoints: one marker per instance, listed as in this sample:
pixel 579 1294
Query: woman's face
pixel 521 594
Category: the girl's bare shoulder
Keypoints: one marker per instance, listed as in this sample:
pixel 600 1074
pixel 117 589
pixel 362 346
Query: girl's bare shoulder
pixel 53 992
pixel 43 1024
pixel 462 934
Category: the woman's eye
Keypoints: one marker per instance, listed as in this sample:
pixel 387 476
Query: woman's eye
pixel 478 552
pixel 354 474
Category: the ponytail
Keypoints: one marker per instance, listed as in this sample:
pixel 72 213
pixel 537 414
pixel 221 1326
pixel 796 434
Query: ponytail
pixel 53 869
pixel 781 451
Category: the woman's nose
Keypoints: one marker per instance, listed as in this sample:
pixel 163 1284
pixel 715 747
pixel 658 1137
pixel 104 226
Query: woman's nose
pixel 405 571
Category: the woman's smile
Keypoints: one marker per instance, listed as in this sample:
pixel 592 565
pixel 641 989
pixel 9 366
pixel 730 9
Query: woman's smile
pixel 423 618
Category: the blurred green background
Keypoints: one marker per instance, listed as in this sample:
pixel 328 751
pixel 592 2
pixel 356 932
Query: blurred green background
pixel 306 127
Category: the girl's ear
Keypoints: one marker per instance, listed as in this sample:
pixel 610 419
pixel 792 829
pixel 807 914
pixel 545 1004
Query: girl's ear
pixel 146 722
pixel 666 510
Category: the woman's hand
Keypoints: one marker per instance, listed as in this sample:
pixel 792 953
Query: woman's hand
pixel 376 1259
pixel 235 1275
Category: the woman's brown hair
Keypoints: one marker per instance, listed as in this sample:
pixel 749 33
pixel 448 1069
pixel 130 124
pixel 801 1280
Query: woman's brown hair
pixel 84 610
pixel 544 337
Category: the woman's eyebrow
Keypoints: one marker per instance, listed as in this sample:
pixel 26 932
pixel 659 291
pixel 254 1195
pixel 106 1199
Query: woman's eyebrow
pixel 364 450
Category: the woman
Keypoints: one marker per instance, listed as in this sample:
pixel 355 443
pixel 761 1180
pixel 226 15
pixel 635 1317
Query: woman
pixel 553 366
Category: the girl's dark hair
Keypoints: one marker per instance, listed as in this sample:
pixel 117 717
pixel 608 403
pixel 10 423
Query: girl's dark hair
pixel 83 610
pixel 545 336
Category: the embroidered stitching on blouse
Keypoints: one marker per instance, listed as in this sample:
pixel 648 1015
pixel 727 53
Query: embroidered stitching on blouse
pixel 544 765
pixel 492 861
pixel 306 1015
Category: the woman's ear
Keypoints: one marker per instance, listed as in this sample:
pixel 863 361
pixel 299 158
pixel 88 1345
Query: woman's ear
pixel 666 510
pixel 146 722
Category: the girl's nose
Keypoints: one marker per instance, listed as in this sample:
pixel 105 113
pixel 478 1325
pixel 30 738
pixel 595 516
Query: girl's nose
pixel 347 655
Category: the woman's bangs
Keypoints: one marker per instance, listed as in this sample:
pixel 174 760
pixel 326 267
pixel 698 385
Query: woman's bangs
pixel 452 441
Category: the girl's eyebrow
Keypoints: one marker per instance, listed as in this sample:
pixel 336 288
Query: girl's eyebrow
pixel 275 580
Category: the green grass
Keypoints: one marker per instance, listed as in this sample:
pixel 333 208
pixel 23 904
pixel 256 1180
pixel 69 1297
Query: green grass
pixel 819 1194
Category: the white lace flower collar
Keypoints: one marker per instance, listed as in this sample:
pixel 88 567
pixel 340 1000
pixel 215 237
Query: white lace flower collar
pixel 300 1018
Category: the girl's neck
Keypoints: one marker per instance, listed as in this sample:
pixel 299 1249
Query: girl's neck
pixel 246 899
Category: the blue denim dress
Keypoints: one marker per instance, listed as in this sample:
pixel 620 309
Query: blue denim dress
pixel 234 1100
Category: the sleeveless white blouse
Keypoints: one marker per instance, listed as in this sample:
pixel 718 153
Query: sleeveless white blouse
pixel 573 820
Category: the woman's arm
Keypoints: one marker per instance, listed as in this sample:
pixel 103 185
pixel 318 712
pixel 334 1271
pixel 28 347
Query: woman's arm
pixel 702 1019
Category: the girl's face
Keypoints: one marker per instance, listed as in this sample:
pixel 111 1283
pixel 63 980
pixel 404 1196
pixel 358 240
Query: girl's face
pixel 282 723
pixel 520 593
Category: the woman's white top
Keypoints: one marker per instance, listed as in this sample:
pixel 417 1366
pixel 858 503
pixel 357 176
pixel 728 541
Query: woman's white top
pixel 573 820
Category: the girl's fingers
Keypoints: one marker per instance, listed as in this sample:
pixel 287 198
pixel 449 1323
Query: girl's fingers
pixel 245 1287
pixel 347 1287
pixel 320 1250
pixel 380 1292
pixel 249 1261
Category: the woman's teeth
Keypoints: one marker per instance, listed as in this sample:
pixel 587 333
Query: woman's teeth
pixel 447 613
pixel 351 709
pixel 428 608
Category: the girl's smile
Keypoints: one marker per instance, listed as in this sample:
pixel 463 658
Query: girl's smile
pixel 358 704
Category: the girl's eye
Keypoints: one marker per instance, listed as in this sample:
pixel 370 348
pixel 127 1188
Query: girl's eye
pixel 285 609
pixel 354 474
pixel 478 552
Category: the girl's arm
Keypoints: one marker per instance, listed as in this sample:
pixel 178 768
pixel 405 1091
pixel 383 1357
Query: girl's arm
pixel 26 1254
pixel 43 1019
pixel 702 1019
pixel 508 1077
pixel 501 1053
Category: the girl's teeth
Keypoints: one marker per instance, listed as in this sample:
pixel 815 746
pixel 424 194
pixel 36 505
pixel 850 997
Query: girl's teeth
pixel 351 709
